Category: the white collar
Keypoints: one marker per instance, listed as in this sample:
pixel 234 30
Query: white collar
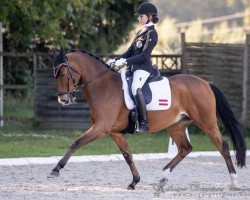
pixel 148 24
pixel 145 27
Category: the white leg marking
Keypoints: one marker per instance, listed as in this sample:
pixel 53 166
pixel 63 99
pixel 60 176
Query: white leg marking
pixel 234 180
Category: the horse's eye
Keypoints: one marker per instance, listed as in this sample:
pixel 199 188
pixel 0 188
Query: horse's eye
pixel 62 74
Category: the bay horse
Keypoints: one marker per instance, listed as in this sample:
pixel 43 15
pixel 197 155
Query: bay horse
pixel 193 100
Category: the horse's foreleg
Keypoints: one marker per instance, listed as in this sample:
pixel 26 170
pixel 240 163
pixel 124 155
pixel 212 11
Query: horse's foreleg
pixel 86 138
pixel 177 133
pixel 121 142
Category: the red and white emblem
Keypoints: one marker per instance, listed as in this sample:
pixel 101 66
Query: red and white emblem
pixel 163 102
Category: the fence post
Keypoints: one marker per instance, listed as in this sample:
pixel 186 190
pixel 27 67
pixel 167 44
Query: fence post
pixel 1 74
pixel 35 84
pixel 183 50
pixel 245 78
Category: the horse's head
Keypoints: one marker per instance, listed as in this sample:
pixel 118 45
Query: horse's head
pixel 67 78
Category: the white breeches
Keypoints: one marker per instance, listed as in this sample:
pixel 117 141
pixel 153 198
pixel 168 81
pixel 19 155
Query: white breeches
pixel 139 78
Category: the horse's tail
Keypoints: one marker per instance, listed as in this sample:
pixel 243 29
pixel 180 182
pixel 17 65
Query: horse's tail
pixel 231 124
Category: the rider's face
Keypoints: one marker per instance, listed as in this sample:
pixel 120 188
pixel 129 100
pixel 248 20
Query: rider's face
pixel 142 19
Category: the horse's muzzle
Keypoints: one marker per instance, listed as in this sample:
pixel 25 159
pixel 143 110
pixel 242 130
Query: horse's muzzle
pixel 67 98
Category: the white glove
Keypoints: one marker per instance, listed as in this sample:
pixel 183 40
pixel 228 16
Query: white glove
pixel 110 61
pixel 120 62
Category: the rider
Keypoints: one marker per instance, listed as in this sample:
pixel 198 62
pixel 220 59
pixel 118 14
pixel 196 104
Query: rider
pixel 137 57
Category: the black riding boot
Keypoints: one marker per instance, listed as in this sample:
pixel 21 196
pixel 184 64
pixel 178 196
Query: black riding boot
pixel 142 111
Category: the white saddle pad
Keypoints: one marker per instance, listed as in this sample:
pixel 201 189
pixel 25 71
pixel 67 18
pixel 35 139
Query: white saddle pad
pixel 161 94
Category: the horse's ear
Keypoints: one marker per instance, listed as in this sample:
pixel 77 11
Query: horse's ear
pixel 62 52
pixel 54 52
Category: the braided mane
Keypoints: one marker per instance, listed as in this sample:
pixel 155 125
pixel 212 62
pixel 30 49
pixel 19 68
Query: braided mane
pixel 90 54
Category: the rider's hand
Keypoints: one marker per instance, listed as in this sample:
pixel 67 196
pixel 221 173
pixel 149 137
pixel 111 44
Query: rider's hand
pixel 120 62
pixel 110 61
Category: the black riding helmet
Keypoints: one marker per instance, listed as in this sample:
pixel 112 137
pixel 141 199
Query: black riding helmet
pixel 147 8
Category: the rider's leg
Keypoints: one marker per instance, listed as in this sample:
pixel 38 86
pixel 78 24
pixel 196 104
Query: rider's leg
pixel 139 78
pixel 142 111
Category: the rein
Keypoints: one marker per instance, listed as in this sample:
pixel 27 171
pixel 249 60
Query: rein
pixel 95 77
pixel 70 69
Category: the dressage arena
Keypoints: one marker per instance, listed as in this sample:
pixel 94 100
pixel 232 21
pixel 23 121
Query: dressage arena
pixel 196 177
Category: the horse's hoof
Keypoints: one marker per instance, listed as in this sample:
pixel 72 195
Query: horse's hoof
pixel 163 182
pixel 53 174
pixel 234 186
pixel 131 187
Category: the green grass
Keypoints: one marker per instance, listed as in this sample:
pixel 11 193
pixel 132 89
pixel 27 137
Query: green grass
pixel 18 107
pixel 16 143
pixel 29 142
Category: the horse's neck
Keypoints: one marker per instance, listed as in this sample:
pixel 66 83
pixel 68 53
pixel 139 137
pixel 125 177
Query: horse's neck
pixel 101 92
pixel 91 68
pixel 102 82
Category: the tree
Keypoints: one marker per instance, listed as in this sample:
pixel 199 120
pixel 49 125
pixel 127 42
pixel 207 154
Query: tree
pixel 95 25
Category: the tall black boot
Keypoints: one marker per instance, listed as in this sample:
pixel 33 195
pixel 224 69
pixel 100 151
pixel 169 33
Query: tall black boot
pixel 142 111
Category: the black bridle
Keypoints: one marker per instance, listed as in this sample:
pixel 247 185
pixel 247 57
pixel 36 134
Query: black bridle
pixel 70 75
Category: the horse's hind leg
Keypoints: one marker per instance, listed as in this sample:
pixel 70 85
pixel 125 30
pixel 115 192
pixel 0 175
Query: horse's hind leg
pixel 177 133
pixel 121 142
pixel 216 137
